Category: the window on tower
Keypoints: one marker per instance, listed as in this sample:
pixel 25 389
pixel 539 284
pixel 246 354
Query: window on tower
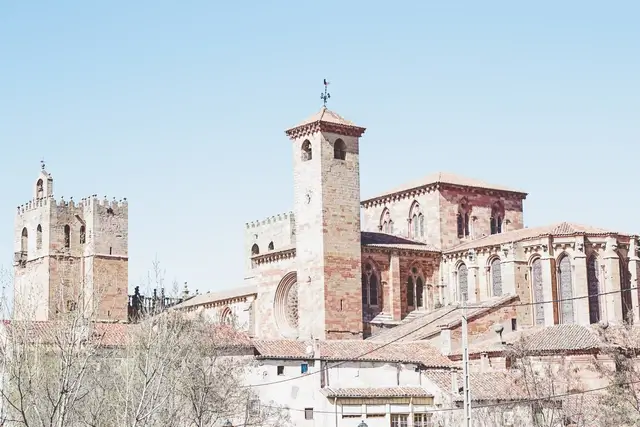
pixel 339 150
pixel 464 211
pixel 24 241
pixel 369 285
pixel 255 250
pixel 83 237
pixel 497 214
pixel 67 236
pixel 39 237
pixel 306 151
pixel 40 189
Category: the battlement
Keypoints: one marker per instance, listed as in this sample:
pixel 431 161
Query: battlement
pixel 287 216
pixel 81 205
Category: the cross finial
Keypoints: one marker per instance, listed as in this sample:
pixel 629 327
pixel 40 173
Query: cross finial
pixel 42 163
pixel 325 95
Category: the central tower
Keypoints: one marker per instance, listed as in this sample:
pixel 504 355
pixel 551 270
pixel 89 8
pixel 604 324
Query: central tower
pixel 326 170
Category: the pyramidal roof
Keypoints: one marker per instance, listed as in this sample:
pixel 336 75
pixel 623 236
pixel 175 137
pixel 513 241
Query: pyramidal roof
pixel 325 118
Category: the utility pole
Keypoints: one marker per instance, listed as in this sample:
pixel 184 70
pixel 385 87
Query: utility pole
pixel 465 365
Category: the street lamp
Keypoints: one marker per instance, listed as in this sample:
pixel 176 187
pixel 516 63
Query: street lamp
pixel 362 424
pixel 227 424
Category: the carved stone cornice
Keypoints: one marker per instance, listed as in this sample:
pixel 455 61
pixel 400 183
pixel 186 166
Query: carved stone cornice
pixel 274 256
pixel 400 252
pixel 322 126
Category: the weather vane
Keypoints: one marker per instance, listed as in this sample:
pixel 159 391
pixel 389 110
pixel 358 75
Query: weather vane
pixel 326 95
pixel 42 163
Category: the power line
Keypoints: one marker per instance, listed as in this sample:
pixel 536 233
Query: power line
pixel 446 313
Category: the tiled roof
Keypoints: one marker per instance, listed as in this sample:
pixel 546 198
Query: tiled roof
pixel 444 178
pixel 113 334
pixel 327 116
pixel 47 332
pixel 559 229
pixel 383 240
pixel 376 392
pixel 431 323
pixel 212 297
pixel 420 353
pixel 499 385
pixel 556 338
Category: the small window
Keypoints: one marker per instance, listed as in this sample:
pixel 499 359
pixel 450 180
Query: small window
pixel 82 235
pixel 339 150
pixel 304 368
pixel 39 237
pixel 255 250
pixel 270 246
pixel 254 407
pixel 110 250
pixel 306 154
pixel 280 370
pixel 308 413
pixel 67 236
pixel 71 306
pixel 514 324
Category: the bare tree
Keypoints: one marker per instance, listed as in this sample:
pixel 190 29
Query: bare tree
pixel 168 369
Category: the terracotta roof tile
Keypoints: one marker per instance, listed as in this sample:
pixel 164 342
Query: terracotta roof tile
pixel 376 392
pixel 421 353
pixel 444 178
pixel 327 116
pixel 46 332
pixel 559 229
pixel 499 385
pixel 432 323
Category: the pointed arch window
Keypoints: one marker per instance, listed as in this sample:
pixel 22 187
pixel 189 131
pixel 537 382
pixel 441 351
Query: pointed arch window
pixel 369 285
pixel 67 236
pixel 24 241
pixel 255 250
pixel 593 289
pixel 464 211
pixel 463 284
pixel 83 234
pixel 538 290
pixel 496 277
pixel 565 290
pixel 39 237
pixel 497 216
pixel 386 224
pixel 339 150
pixel 416 222
pixel 306 153
pixel 625 287
pixel 40 189
pixel 415 289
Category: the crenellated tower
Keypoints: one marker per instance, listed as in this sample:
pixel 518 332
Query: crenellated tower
pixel 327 226
pixel 70 255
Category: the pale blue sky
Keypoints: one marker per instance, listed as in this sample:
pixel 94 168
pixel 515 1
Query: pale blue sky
pixel 181 108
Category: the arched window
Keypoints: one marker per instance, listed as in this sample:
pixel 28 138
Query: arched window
pixel 416 221
pixel 39 237
pixel 255 250
pixel 270 247
pixel 369 285
pixel 464 210
pixel 24 241
pixel 226 317
pixel 497 215
pixel 415 289
pixel 83 235
pixel 625 287
pixel 306 151
pixel 40 189
pixel 463 284
pixel 339 150
pixel 386 224
pixel 67 236
pixel 593 288
pixel 538 291
pixel 496 278
pixel 565 288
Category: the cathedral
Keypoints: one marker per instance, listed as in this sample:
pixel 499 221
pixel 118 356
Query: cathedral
pixel 320 272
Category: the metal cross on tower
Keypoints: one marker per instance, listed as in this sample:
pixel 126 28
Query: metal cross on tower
pixel 42 163
pixel 325 95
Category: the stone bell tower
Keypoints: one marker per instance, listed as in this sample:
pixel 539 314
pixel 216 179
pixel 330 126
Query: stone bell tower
pixel 327 216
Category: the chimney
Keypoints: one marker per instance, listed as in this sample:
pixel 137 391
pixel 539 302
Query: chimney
pixel 484 362
pixel 454 382
pixel 498 328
